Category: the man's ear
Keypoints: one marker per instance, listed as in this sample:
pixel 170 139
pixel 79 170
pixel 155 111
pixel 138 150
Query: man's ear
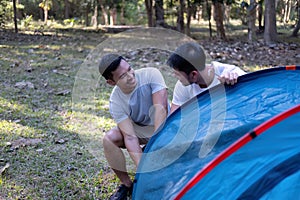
pixel 111 82
pixel 194 75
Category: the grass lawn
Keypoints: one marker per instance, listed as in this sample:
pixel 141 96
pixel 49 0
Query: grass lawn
pixel 50 132
pixel 40 145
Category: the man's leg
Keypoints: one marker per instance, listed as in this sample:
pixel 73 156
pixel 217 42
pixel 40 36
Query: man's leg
pixel 112 143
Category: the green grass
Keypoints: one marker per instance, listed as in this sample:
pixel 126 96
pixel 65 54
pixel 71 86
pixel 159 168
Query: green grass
pixel 59 166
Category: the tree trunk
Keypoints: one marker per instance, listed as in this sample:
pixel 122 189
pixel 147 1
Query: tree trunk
pixel 227 14
pixel 287 11
pixel 180 16
pixel 199 13
pixel 251 11
pixel 122 19
pixel 149 8
pixel 94 21
pixel 45 16
pixel 260 15
pixel 46 8
pixel 270 34
pixel 41 13
pixel 159 13
pixel 103 12
pixel 218 12
pixel 87 11
pixel 190 11
pixel 296 29
pixel 15 16
pixel 113 16
pixel 208 9
pixel 67 9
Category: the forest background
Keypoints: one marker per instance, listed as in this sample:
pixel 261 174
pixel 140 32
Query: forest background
pixel 43 46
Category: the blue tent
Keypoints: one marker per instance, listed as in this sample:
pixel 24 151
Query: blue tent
pixel 200 131
pixel 263 164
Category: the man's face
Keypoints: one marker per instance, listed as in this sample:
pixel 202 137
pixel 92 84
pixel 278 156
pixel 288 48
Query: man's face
pixel 182 77
pixel 124 76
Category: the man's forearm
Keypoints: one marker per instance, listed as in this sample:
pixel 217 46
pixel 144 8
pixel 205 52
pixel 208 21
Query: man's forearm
pixel 133 148
pixel 159 116
pixel 160 104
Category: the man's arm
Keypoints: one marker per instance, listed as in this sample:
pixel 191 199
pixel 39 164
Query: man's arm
pixel 131 140
pixel 160 103
pixel 173 107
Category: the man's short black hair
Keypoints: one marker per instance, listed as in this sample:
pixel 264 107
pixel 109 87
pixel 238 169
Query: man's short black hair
pixel 179 63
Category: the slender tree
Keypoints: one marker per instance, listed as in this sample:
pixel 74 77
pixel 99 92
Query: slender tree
pixel 297 27
pixel 260 14
pixel 219 18
pixel 67 9
pixel 190 11
pixel 113 15
pixel 122 18
pixel 180 16
pixel 287 11
pixel 159 13
pixel 251 11
pixel 103 12
pixel 94 21
pixel 46 5
pixel 270 33
pixel 208 9
pixel 87 11
pixel 149 8
pixel 15 16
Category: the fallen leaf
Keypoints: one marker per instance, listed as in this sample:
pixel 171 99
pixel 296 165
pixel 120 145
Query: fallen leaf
pixel 2 170
pixel 61 141
pixel 63 92
pixel 61 73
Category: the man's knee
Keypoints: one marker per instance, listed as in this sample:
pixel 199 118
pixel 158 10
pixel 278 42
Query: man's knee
pixel 113 136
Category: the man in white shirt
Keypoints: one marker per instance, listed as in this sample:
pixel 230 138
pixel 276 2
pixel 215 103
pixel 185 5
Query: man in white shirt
pixel 195 75
pixel 139 105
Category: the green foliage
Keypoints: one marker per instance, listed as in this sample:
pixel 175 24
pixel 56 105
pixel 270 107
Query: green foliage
pixel 46 4
pixel 31 8
pixel 26 22
pixel 3 17
pixel 6 11
pixel 135 12
pixel 71 22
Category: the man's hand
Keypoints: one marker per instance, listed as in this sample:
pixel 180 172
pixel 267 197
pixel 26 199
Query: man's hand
pixel 228 77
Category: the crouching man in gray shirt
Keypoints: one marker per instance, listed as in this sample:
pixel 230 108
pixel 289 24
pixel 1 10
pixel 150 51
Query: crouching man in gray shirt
pixel 139 105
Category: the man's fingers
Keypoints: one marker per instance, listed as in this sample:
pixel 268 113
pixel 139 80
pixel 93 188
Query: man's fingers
pixel 229 78
pixel 235 77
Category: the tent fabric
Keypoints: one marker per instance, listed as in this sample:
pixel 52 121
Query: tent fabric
pixel 202 128
pixel 263 164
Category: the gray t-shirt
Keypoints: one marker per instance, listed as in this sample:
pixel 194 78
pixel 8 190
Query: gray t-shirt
pixel 137 105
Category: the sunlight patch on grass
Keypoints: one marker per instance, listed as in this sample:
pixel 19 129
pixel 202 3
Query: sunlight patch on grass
pixel 7 105
pixel 12 130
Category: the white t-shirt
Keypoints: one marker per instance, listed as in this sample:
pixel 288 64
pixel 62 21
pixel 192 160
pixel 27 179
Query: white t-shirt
pixel 183 93
pixel 138 105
